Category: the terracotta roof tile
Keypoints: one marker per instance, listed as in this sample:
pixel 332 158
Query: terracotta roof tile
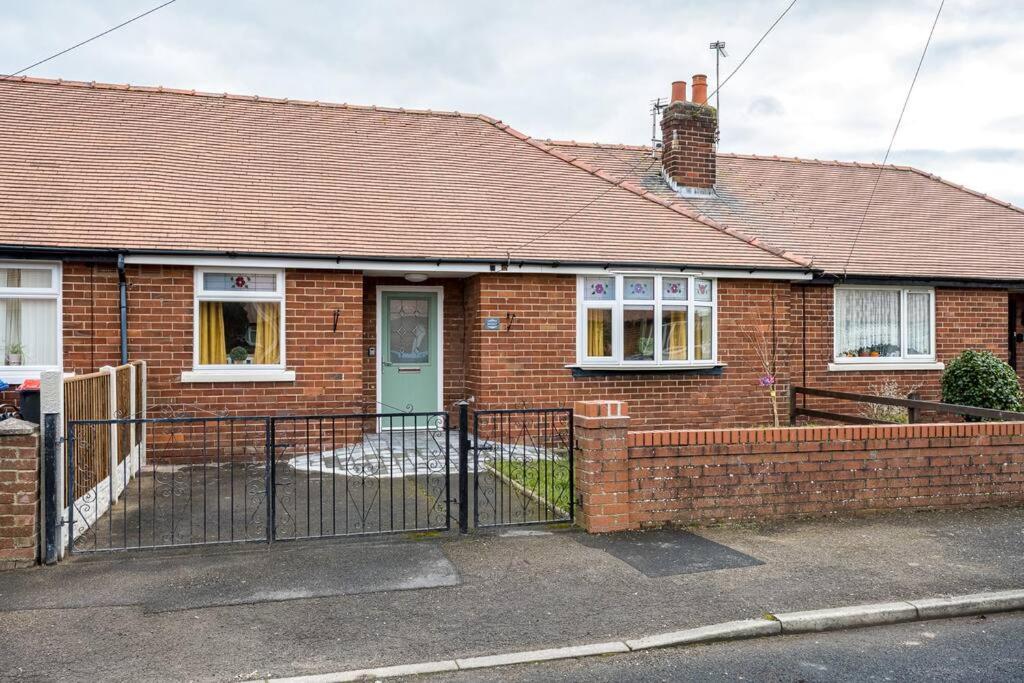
pixel 919 225
pixel 130 167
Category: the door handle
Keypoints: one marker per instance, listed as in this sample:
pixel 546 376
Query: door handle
pixel 387 363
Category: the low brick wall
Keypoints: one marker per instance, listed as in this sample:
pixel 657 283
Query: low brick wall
pixel 630 480
pixel 19 493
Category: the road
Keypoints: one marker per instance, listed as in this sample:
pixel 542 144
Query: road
pixel 968 649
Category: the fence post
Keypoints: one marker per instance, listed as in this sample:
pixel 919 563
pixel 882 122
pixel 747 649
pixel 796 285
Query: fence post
pixel 111 374
pixel 51 402
pixel 912 412
pixel 142 375
pixel 270 480
pixel 463 467
pixel 51 514
pixel 132 409
pixel 792 405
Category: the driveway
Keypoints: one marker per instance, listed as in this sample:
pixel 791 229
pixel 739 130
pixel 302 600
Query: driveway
pixel 315 606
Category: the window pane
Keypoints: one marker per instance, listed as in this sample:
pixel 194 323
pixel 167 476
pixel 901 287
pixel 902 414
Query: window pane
pixel 919 324
pixel 238 333
pixel 599 332
pixel 702 289
pixel 638 288
pixel 673 334
pixel 39 278
pixel 673 288
pixel 240 282
pixel 868 323
pixel 29 331
pixel 599 288
pixel 702 333
pixel 409 331
pixel 638 334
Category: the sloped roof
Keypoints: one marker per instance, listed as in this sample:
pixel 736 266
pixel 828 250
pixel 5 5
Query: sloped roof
pixel 105 166
pixel 918 225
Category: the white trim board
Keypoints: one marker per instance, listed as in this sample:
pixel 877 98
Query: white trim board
pixel 400 268
pixel 440 336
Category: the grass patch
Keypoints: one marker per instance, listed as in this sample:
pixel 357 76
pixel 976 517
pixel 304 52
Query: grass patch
pixel 548 479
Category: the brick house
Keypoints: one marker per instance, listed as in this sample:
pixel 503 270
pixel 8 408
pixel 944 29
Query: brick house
pixel 268 255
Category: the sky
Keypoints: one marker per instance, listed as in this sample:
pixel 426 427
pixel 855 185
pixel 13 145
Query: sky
pixel 827 83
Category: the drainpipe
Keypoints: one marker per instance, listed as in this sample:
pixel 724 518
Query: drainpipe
pixel 122 287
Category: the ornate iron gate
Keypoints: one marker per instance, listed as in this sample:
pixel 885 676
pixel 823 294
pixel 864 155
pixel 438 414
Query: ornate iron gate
pixel 196 481
pixel 185 481
pixel 522 467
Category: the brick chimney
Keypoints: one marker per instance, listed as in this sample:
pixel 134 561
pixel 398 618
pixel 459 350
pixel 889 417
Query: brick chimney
pixel 688 139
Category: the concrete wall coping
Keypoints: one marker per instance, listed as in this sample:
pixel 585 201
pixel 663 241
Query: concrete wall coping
pixel 16 427
pixel 703 437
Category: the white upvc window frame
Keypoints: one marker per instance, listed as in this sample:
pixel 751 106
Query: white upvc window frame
pixel 232 372
pixel 16 374
pixel 904 360
pixel 620 304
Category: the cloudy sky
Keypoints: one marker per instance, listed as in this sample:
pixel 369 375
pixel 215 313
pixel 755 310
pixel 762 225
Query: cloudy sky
pixel 827 83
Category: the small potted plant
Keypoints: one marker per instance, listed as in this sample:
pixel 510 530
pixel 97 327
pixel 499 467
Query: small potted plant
pixel 15 353
pixel 238 355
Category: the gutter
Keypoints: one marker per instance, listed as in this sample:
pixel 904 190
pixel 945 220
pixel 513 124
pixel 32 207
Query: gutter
pixel 352 262
pixel 122 289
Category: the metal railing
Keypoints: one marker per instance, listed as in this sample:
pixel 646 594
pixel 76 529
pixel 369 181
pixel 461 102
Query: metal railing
pixel 226 479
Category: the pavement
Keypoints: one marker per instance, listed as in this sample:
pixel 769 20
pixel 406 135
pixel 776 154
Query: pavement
pixel 513 590
pixel 967 649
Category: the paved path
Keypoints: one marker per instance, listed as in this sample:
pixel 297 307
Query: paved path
pixel 967 649
pixel 516 592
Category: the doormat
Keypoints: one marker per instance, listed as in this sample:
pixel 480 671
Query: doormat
pixel 668 552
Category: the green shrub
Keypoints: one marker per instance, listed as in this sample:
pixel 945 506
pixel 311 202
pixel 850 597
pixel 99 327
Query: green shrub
pixel 979 379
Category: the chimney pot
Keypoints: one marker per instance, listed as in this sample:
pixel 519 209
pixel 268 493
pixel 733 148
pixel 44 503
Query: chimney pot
pixel 678 91
pixel 700 89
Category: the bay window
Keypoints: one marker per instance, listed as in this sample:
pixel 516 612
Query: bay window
pixel 645 320
pixel 239 320
pixel 29 319
pixel 884 325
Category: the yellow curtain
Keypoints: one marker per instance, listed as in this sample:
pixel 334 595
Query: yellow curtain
pixel 595 333
pixel 268 334
pixel 212 347
pixel 675 345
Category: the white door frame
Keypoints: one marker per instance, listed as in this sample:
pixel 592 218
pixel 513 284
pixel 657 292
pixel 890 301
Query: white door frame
pixel 412 289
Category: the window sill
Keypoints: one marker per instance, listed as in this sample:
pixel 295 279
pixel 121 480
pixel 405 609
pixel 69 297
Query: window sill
pixel 16 376
pixel 597 370
pixel 885 367
pixel 238 376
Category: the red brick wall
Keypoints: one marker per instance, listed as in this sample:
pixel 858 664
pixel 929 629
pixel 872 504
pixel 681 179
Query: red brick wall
pixel 527 364
pixel 521 366
pixel 328 364
pixel 965 319
pixel 630 480
pixel 19 497
pixel 724 475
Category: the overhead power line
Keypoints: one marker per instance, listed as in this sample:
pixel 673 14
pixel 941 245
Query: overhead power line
pixel 752 50
pixel 892 140
pixel 636 165
pixel 87 40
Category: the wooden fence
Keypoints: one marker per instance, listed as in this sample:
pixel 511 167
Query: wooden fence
pixel 913 405
pixel 104 395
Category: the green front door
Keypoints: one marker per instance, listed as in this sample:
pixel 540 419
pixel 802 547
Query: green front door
pixel 409 353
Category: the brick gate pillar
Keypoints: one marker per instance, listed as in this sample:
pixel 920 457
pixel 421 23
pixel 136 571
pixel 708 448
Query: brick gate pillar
pixel 19 493
pixel 601 466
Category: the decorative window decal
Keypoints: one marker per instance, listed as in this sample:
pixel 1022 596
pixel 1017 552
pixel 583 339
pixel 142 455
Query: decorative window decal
pixel 239 320
pixel 646 321
pixel 600 288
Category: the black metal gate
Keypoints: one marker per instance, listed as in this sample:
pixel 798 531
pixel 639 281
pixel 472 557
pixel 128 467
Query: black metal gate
pixel 522 467
pixel 185 481
pixel 203 480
